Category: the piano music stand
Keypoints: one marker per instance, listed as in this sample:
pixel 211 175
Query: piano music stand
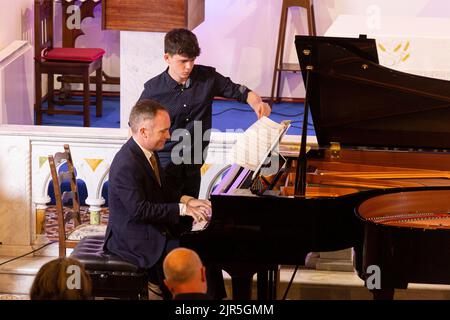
pixel 276 142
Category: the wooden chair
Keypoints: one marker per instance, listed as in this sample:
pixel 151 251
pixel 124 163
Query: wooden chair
pixel 69 237
pixel 69 38
pixel 110 275
pixel 64 61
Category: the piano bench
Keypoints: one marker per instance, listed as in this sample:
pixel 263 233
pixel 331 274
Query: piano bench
pixel 111 276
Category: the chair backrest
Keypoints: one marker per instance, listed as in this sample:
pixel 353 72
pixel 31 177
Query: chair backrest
pixel 61 198
pixel 43 26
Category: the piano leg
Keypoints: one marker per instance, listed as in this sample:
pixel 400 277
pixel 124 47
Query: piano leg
pixel 263 283
pixel 242 286
pixel 383 294
pixel 268 283
pixel 275 279
pixel 242 280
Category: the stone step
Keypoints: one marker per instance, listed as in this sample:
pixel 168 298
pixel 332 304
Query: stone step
pixel 311 284
pixel 16 277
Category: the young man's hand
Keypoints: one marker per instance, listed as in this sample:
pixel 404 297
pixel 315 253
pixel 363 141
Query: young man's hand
pixel 260 107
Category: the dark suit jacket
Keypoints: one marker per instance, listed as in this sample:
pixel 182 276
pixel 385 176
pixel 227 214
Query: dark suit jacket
pixel 141 212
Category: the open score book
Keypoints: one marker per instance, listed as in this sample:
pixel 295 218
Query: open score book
pixel 253 147
pixel 257 142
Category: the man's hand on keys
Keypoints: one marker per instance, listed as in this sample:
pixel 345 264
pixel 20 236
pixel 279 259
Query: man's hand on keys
pixel 198 209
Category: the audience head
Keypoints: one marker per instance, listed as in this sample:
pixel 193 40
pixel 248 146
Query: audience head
pixel 150 124
pixel 61 279
pixel 184 272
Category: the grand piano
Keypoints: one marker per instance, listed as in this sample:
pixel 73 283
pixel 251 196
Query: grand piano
pixel 378 181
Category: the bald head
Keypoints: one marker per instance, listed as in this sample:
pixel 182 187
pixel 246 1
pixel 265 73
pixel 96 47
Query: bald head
pixel 184 271
pixel 181 264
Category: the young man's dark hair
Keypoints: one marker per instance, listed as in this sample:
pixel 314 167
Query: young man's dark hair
pixel 182 42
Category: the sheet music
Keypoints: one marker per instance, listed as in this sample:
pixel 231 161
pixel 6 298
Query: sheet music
pixel 253 146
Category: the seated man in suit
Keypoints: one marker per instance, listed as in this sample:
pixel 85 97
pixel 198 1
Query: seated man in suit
pixel 185 275
pixel 146 216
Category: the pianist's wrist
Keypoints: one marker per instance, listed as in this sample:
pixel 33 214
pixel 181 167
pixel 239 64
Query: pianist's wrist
pixel 183 211
pixel 186 199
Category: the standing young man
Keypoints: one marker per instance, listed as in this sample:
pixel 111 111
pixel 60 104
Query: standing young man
pixel 187 90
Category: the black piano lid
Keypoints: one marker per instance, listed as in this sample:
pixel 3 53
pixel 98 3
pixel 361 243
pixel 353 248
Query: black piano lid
pixel 357 102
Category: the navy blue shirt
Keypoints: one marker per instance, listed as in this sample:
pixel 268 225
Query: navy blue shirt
pixel 191 102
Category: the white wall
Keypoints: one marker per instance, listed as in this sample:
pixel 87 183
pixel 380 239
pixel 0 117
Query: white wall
pixel 239 38
pixel 17 83
pixel 16 21
pixel 16 62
